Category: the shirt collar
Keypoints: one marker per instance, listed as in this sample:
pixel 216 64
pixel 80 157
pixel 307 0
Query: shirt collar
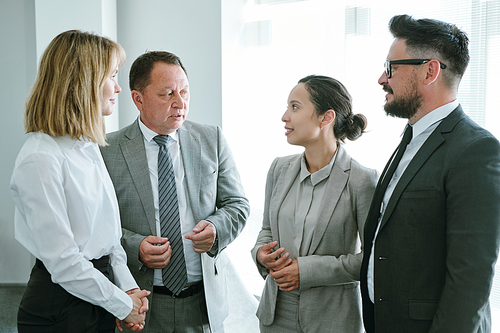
pixel 149 134
pixel 319 175
pixel 433 117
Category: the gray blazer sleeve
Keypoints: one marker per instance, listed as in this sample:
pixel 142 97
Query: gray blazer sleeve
pixel 472 235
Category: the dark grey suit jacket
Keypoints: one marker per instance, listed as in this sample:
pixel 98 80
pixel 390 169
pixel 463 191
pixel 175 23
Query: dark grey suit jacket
pixel 439 237
pixel 215 194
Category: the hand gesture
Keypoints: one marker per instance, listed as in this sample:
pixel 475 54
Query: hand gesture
pixel 155 252
pixel 136 319
pixel 203 236
pixel 271 259
pixel 287 278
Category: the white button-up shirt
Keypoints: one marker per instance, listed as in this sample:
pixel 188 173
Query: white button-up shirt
pixel 193 259
pixel 67 214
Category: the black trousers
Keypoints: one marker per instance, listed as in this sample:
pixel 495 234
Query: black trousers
pixel 47 307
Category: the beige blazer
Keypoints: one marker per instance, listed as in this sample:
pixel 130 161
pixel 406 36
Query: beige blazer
pixel 329 275
pixel 215 194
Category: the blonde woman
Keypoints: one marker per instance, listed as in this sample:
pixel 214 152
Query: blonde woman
pixel 66 211
pixel 315 207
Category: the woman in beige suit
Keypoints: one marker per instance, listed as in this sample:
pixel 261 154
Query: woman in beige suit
pixel 309 248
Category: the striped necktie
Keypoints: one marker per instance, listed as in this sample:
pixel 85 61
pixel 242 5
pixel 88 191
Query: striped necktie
pixel 174 274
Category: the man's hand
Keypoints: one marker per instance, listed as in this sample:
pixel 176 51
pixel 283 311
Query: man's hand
pixel 287 278
pixel 155 252
pixel 203 236
pixel 272 260
pixel 136 319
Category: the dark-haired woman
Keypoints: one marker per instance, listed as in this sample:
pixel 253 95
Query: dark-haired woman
pixel 309 247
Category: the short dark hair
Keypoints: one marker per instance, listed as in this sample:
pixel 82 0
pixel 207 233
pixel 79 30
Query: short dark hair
pixel 140 72
pixel 326 93
pixel 428 37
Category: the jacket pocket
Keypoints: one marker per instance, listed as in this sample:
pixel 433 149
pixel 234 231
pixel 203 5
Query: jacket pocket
pixel 209 178
pixel 423 310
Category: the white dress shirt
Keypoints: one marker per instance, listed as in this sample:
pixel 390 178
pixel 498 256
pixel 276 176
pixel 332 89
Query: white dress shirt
pixel 193 259
pixel 422 129
pixel 67 214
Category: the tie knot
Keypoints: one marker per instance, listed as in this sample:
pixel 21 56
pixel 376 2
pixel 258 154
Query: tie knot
pixel 162 140
pixel 408 134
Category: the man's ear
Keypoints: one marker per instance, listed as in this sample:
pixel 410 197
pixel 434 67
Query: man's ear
pixel 328 118
pixel 137 98
pixel 433 71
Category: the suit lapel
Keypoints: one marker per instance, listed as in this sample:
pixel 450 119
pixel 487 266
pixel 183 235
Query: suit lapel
pixel 285 181
pixel 190 146
pixel 334 187
pixel 432 143
pixel 139 170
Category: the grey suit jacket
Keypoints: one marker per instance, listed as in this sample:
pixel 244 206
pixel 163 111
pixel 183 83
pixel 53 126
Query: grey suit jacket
pixel 215 194
pixel 329 274
pixel 439 236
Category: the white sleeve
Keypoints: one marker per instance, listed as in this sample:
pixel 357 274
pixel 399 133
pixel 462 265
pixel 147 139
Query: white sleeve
pixel 43 227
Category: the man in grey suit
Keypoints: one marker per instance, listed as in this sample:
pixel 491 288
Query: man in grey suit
pixel 209 202
pixel 432 234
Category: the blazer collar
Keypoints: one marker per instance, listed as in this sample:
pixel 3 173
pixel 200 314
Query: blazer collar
pixel 139 169
pixel 336 183
pixel 435 140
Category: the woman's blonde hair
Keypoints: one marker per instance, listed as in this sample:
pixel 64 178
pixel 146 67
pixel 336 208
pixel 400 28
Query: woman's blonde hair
pixel 66 98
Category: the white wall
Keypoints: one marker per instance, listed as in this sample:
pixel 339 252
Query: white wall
pixel 189 28
pixel 17 72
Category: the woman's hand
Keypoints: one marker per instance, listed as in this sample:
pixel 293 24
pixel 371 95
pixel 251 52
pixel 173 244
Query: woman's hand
pixel 272 260
pixel 287 278
pixel 136 319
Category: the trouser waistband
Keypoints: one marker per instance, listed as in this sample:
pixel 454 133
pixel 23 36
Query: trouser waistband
pixel 102 264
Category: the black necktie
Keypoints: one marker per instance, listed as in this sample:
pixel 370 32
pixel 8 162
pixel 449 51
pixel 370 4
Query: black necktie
pixel 174 274
pixel 380 191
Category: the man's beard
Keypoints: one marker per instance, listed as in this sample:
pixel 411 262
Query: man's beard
pixel 405 106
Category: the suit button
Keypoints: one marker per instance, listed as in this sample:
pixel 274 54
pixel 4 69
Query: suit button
pixel 382 258
pixel 149 284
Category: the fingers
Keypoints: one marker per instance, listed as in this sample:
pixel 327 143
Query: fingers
pixel 273 260
pixel 269 246
pixel 142 294
pixel 286 262
pixel 202 231
pixel 200 226
pixel 136 327
pixel 203 236
pixel 119 324
pixel 145 305
pixel 155 240
pixel 155 252
pixel 288 278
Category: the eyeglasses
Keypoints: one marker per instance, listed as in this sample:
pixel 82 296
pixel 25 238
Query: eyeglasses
pixel 389 63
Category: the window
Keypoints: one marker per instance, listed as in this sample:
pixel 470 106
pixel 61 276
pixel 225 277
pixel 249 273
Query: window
pixel 279 42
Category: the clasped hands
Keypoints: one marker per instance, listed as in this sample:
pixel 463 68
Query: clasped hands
pixel 155 252
pixel 282 269
pixel 136 319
